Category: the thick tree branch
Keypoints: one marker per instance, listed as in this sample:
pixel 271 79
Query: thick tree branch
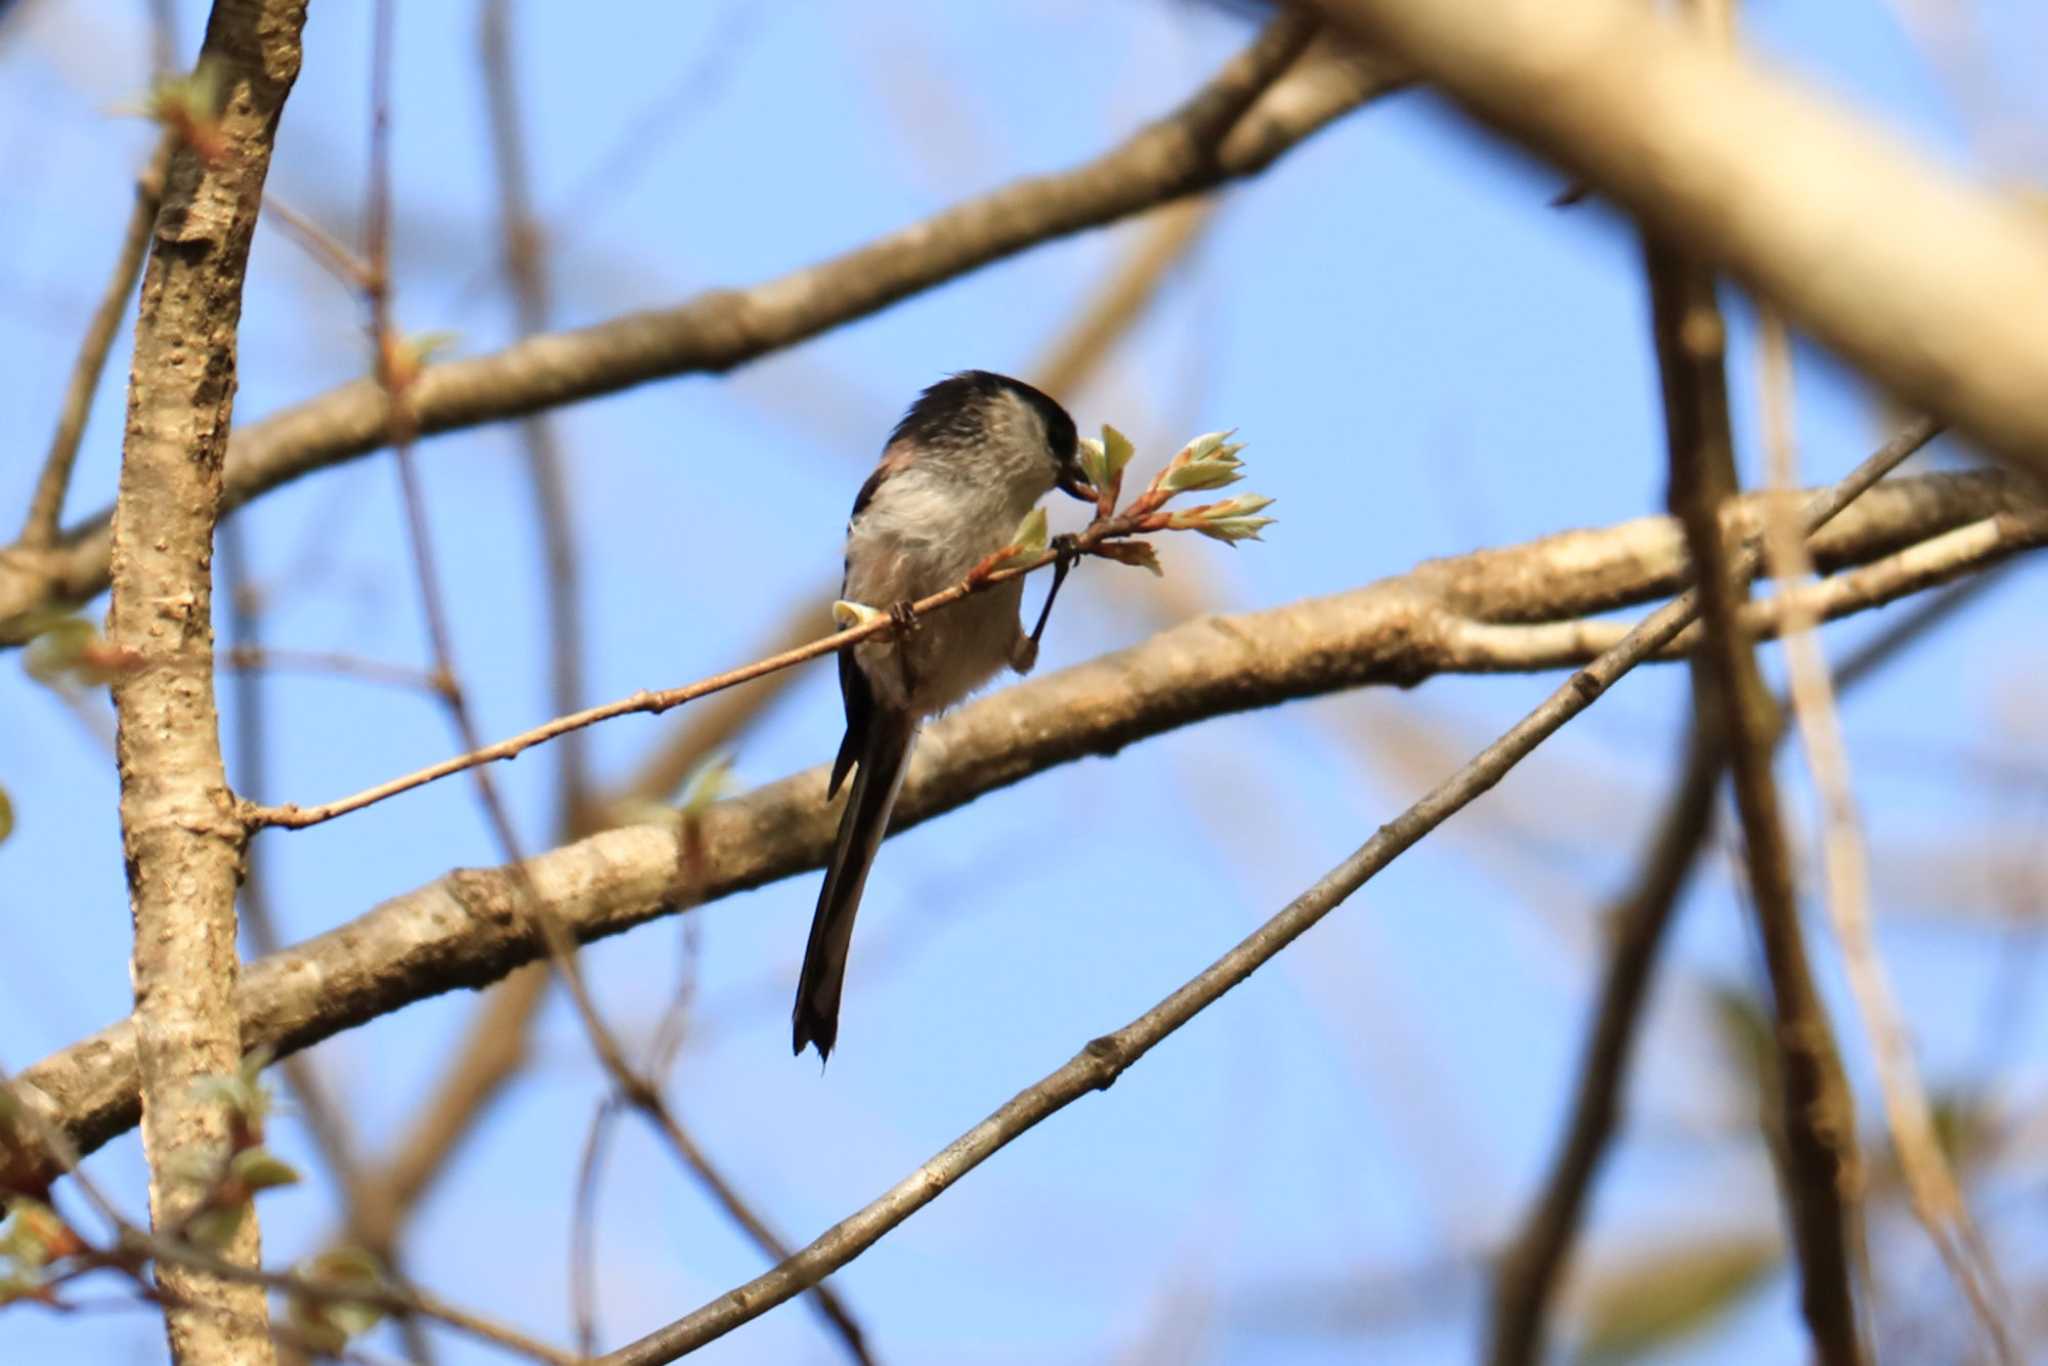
pixel 1232 128
pixel 1536 1260
pixel 181 828
pixel 1097 1066
pixel 1937 290
pixel 466 929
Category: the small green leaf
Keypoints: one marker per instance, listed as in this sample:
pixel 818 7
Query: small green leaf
pixel 31 1233
pixel 1671 1294
pixel 330 1323
pixel 1206 474
pixel 1116 453
pixel 53 657
pixel 1032 534
pixel 1231 530
pixel 259 1168
pixel 6 816
pixel 1094 461
pixel 1243 505
pixel 707 783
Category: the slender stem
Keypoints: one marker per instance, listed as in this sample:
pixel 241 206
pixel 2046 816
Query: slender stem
pixel 1103 1060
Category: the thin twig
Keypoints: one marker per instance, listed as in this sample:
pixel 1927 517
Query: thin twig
pixel 46 504
pixel 251 657
pixel 583 1226
pixel 326 1119
pixel 1235 126
pixel 1116 306
pixel 526 272
pixel 323 246
pixel 1104 1059
pixel 1936 1199
pixel 1817 1147
pixel 465 929
pixel 632 1088
pixel 1535 1262
pixel 294 817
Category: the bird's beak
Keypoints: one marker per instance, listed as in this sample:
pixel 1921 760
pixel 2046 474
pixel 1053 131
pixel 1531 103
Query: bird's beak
pixel 1072 483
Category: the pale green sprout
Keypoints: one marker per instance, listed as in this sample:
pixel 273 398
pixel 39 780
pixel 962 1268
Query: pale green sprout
pixel 1032 535
pixel 261 1169
pixel 328 1323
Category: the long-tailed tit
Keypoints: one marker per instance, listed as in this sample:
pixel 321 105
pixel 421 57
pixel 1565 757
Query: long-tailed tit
pixel 973 455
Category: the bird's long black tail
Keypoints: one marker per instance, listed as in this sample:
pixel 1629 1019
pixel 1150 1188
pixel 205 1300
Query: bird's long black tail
pixel 883 758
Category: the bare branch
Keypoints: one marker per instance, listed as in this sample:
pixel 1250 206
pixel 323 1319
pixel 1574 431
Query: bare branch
pixel 1232 128
pixel 1097 1066
pixel 1935 1197
pixel 1935 289
pixel 1535 1262
pixel 465 930
pixel 46 505
pixel 179 820
pixel 526 271
pixel 1816 1115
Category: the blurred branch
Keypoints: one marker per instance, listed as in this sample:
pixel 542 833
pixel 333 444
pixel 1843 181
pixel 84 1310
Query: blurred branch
pixel 1816 1118
pixel 526 272
pixel 465 929
pixel 1097 1066
pixel 1452 644
pixel 1111 531
pixel 1935 1198
pixel 46 505
pixel 1116 306
pixel 1234 127
pixel 181 832
pixel 1936 290
pixel 250 656
pixel 1967 550
pixel 1536 1261
pixel 1169 234
pixel 325 1119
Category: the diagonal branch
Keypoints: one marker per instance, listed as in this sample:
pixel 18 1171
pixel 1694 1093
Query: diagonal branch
pixel 46 504
pixel 466 929
pixel 1235 126
pixel 1536 1260
pixel 1097 1066
pixel 1936 289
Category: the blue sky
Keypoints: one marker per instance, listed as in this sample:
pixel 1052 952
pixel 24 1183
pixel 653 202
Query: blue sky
pixel 1424 359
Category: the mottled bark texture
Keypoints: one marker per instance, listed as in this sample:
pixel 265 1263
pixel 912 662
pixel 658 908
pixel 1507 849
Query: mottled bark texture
pixel 182 839
pixel 465 930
